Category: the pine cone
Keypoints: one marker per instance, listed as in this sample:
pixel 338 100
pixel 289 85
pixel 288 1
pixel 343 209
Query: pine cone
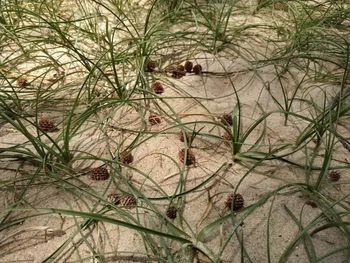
pixel 197 69
pixel 178 73
pixel 99 174
pixel 235 202
pixel 22 82
pixel 171 212
pixel 181 136
pixel 47 125
pixel 157 87
pixel 188 66
pixel 151 65
pixel 154 119
pixel 114 198
pixel 334 176
pixel 226 119
pixel 126 157
pixel 191 159
pixel 128 201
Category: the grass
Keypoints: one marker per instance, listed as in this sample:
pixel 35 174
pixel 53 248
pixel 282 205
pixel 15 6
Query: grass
pixel 277 67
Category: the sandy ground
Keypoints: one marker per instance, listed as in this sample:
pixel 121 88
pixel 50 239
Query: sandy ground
pixel 156 160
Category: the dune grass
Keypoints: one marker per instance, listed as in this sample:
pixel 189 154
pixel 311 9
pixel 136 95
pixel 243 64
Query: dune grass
pixel 84 65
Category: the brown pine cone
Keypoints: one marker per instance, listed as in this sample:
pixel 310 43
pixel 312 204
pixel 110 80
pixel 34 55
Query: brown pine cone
pixel 126 157
pixel 188 66
pixel 178 74
pixel 154 119
pixel 157 87
pixel 171 212
pixel 334 176
pixel 197 69
pixel 234 202
pixel 114 198
pixel 47 125
pixel 191 159
pixel 99 174
pixel 181 136
pixel 128 201
pixel 151 65
pixel 22 82
pixel 226 119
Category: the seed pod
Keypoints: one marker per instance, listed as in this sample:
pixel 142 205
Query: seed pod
pixel 181 136
pixel 154 119
pixel 188 66
pixel 114 198
pixel 226 119
pixel 22 82
pixel 234 202
pixel 157 87
pixel 197 69
pixel 191 159
pixel 126 157
pixel 171 212
pixel 99 174
pixel 128 201
pixel 334 176
pixel 151 65
pixel 47 125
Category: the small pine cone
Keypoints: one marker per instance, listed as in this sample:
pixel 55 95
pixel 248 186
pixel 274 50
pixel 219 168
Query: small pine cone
pixel 234 202
pixel 154 119
pixel 22 82
pixel 226 119
pixel 334 176
pixel 150 65
pixel 197 69
pixel 171 212
pixel 181 136
pixel 126 157
pixel 99 174
pixel 178 74
pixel 114 198
pixel 128 200
pixel 47 125
pixel 188 66
pixel 191 159
pixel 180 68
pixel 157 87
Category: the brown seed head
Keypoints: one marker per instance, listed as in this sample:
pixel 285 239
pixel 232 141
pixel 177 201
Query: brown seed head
pixel 188 66
pixel 157 87
pixel 334 176
pixel 197 69
pixel 47 125
pixel 154 119
pixel 234 202
pixel 126 157
pixel 190 158
pixel 99 174
pixel 171 212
